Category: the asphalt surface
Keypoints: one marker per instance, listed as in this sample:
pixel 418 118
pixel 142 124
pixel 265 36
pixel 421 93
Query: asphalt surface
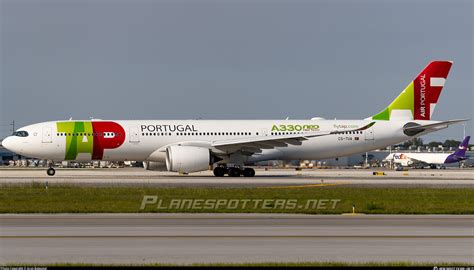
pixel 234 238
pixel 449 178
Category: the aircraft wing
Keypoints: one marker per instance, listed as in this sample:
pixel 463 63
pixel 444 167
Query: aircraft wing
pixel 253 145
pixel 416 128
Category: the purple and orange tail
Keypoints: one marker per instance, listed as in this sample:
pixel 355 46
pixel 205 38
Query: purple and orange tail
pixel 461 152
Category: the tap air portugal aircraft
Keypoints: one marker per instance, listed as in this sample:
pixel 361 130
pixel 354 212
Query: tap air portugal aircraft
pixel 194 145
pixel 432 159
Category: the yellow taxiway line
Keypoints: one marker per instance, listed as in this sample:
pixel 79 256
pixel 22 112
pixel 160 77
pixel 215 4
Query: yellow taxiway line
pixel 312 185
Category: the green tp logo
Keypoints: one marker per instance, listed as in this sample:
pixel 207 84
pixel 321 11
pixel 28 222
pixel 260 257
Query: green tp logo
pixel 90 138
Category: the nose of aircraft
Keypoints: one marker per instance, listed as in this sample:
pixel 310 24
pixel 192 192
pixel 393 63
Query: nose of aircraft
pixel 8 144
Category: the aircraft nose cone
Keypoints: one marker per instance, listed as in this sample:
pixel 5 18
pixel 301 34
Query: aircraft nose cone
pixel 8 143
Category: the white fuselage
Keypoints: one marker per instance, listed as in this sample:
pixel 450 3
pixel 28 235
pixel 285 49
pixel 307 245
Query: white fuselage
pixel 407 159
pixel 143 138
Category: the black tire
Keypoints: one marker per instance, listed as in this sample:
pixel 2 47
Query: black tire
pixel 50 171
pixel 248 172
pixel 234 172
pixel 219 171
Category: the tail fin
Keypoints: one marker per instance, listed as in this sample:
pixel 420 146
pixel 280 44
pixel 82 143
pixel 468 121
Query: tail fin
pixel 461 152
pixel 418 100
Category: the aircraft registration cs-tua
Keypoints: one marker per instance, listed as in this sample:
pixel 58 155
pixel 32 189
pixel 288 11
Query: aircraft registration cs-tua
pixel 231 145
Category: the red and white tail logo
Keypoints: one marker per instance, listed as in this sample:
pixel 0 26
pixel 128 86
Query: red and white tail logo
pixel 427 87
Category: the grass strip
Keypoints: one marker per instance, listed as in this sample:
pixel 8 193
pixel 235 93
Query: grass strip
pixel 34 198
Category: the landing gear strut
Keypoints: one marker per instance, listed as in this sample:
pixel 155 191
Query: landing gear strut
pixel 220 171
pixel 50 171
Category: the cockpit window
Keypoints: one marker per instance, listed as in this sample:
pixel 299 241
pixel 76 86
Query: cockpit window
pixel 20 133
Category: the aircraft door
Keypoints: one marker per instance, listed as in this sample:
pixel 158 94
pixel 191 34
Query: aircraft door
pixel 369 134
pixel 134 135
pixel 47 135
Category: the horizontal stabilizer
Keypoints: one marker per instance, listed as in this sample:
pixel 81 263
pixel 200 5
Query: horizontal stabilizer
pixel 412 129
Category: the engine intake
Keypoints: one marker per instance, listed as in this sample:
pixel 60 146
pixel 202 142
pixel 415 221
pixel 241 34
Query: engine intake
pixel 154 166
pixel 187 159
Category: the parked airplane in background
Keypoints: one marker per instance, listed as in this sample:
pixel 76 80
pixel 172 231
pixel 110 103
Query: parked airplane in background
pixel 228 145
pixel 432 159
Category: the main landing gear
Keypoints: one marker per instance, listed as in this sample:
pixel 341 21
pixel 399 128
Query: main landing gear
pixel 50 171
pixel 220 171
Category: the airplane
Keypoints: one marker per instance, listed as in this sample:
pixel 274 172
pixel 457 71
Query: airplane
pixel 228 146
pixel 432 159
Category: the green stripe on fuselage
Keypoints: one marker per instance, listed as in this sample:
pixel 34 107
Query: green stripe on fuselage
pixel 78 138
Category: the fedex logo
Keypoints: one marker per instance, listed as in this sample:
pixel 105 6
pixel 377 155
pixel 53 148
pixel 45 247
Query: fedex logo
pixel 399 156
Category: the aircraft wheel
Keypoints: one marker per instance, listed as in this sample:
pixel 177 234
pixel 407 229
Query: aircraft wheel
pixel 219 171
pixel 234 172
pixel 248 172
pixel 50 171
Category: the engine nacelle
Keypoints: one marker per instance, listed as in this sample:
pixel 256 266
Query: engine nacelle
pixel 154 166
pixel 187 159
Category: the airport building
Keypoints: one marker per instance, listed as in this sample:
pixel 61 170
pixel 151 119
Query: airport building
pixel 7 156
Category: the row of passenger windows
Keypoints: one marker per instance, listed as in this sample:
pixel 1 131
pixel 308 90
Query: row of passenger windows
pixel 200 134
pixel 95 134
pixel 350 132
pixel 285 133
pixel 112 134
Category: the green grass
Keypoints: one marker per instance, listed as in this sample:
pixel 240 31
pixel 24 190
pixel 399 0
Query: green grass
pixel 74 199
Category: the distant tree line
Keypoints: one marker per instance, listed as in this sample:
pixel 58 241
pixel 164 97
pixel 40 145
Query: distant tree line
pixel 419 142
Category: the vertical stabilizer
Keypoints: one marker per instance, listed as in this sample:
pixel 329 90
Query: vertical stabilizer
pixel 460 153
pixel 419 99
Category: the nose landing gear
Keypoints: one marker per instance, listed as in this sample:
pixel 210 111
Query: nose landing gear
pixel 50 171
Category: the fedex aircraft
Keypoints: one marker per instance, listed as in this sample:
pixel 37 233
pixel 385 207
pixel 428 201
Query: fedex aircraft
pixel 433 159
pixel 229 145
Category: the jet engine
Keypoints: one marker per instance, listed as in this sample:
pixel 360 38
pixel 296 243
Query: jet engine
pixel 187 159
pixel 154 166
